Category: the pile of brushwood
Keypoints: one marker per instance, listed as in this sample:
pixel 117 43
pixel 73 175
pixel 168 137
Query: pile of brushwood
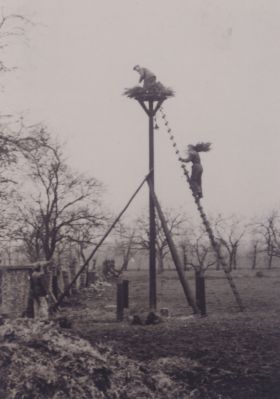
pixel 40 360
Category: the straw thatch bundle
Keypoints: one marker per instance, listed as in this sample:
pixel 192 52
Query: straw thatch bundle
pixel 202 147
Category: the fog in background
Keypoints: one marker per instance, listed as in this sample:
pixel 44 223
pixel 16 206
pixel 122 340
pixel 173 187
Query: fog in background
pixel 222 59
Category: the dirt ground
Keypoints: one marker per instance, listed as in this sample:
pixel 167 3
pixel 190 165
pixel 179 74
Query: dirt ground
pixel 233 355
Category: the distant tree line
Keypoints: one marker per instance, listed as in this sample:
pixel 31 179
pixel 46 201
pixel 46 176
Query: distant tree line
pixel 243 243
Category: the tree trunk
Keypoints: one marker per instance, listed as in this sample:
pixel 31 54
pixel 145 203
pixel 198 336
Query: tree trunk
pixel 218 264
pixel 254 260
pixel 200 291
pixel 234 258
pixel 125 264
pixel 230 262
pixel 86 271
pixel 126 256
pixel 160 262
pixel 185 259
pixel 270 258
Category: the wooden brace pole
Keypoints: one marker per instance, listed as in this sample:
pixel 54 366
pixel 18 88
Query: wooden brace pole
pixel 174 253
pixel 60 299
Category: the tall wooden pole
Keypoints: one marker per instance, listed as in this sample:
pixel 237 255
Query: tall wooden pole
pixel 152 255
pixel 151 110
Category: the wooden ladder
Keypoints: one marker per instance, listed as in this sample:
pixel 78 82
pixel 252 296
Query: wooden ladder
pixel 215 245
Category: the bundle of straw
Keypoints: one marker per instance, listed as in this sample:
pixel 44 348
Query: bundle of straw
pixel 202 147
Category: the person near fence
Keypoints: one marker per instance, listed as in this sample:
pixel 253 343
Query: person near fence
pixel 108 269
pixel 39 293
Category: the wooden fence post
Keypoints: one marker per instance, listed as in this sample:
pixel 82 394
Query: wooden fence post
pixel 125 294
pixel 120 302
pixel 200 292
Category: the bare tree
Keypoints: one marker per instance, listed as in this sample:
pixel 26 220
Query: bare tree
pixel 201 255
pixel 125 244
pixel 15 141
pixel 12 28
pixel 185 243
pixel 26 228
pixel 174 221
pixel 229 233
pixel 256 243
pixel 62 202
pixel 269 229
pixel 185 250
pixel 12 139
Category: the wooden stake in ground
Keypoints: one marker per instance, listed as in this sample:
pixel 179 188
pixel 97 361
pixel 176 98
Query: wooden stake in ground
pixel 174 253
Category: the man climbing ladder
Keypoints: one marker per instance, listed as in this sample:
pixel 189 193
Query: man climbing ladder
pixel 197 169
pixel 214 243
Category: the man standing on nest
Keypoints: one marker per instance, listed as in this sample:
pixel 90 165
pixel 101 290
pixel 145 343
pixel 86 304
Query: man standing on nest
pixel 148 77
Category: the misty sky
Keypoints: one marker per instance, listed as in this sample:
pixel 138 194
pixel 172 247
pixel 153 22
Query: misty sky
pixel 221 57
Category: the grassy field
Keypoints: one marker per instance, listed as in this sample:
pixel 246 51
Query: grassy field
pixel 236 355
pixel 257 293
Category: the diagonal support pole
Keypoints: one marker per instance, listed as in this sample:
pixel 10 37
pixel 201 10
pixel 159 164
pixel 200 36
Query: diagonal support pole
pixel 174 253
pixel 64 294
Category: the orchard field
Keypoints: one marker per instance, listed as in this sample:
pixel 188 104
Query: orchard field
pixel 227 354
